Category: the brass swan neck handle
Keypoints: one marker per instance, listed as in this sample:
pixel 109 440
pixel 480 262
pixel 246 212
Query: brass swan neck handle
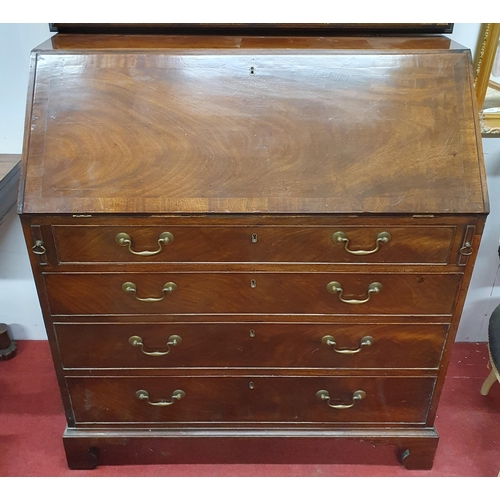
pixel 341 238
pixel 165 238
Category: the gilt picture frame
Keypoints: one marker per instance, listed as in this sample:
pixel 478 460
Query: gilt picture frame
pixel 487 79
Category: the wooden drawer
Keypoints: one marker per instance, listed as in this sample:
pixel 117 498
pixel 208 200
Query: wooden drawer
pixel 250 399
pixel 413 244
pixel 294 293
pixel 250 345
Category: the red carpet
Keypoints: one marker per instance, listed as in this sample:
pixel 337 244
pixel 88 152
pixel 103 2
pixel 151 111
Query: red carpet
pixel 32 423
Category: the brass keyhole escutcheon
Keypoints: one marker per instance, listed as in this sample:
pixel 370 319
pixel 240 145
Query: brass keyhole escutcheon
pixel 252 333
pixel 253 283
pixel 251 385
pixel 254 238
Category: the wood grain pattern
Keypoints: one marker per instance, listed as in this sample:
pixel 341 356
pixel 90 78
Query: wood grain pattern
pixel 270 244
pixel 230 399
pixel 250 345
pixel 64 42
pixel 186 127
pixel 216 139
pixel 86 448
pixel 229 293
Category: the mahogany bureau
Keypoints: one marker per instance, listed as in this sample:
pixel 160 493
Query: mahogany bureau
pixel 251 249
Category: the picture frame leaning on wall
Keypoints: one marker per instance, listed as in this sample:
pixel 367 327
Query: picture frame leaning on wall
pixel 487 79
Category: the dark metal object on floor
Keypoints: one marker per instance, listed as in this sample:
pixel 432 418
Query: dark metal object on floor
pixel 7 346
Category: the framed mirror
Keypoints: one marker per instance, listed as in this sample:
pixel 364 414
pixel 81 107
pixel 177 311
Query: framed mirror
pixel 487 79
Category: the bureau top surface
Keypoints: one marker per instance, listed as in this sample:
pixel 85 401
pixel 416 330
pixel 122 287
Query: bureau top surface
pixel 166 124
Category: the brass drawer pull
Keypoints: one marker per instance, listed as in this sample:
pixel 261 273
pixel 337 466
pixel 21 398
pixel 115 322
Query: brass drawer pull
pixel 330 341
pixel 341 238
pixel 136 341
pixel 176 396
pixel 123 239
pixel 467 249
pixel 325 396
pixel 38 248
pixel 129 287
pixel 335 287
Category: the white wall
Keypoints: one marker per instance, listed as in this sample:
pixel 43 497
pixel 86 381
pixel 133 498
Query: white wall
pixel 16 42
pixel 484 291
pixel 19 306
pixel 18 302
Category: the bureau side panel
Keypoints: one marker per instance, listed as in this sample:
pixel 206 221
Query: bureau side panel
pixel 32 233
pixel 457 313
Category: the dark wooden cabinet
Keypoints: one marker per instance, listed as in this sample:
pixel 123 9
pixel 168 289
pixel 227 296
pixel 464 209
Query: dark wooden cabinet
pixel 245 247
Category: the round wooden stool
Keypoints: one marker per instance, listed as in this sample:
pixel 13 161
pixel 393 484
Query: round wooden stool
pixel 494 348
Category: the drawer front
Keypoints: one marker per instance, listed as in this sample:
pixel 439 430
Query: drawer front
pixel 296 293
pixel 250 399
pixel 430 245
pixel 286 345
